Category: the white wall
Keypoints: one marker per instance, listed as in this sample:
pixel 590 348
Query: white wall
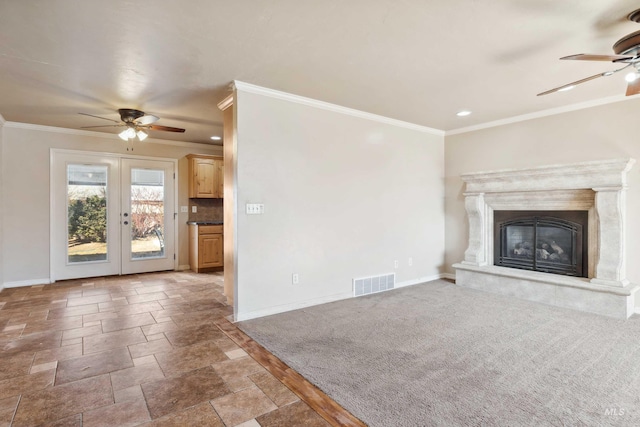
pixel 344 197
pixel 25 198
pixel 597 133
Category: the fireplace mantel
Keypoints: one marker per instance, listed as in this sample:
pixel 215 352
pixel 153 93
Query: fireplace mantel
pixel 598 187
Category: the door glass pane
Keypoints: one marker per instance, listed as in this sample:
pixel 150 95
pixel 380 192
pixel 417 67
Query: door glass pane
pixel 86 213
pixel 519 242
pixel 555 244
pixel 147 213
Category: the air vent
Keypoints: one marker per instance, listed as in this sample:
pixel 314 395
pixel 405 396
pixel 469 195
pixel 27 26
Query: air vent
pixel 373 284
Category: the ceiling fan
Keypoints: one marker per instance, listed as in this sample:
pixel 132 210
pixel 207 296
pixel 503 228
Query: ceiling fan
pixel 627 51
pixel 135 122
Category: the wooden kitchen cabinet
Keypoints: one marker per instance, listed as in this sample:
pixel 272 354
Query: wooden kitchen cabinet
pixel 206 250
pixel 206 180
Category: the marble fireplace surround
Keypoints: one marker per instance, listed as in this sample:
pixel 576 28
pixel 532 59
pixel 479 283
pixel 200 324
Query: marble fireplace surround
pixel 598 187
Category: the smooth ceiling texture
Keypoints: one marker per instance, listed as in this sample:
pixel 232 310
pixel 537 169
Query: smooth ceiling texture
pixel 413 60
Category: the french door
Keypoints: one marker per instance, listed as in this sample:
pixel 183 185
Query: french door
pixel 110 215
pixel 147 208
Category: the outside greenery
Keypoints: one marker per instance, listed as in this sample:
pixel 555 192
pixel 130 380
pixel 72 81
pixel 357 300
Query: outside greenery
pixel 88 219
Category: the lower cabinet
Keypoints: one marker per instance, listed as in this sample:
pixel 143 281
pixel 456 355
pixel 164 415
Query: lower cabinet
pixel 206 249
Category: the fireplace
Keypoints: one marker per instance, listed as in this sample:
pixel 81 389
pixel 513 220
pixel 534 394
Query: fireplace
pixel 590 263
pixel 546 241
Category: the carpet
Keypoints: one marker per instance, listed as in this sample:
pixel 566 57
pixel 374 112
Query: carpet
pixel 438 354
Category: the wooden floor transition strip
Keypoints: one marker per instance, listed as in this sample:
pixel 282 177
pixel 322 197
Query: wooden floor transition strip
pixel 328 409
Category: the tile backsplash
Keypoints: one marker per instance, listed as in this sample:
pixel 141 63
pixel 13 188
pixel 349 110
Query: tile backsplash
pixel 208 210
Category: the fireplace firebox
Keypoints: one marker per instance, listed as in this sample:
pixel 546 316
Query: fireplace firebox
pixel 545 241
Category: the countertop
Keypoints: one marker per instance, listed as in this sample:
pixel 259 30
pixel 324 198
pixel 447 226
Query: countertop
pixel 205 222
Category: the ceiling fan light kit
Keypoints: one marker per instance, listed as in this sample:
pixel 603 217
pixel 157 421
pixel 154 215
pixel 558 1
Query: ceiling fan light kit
pixel 141 135
pixel 627 51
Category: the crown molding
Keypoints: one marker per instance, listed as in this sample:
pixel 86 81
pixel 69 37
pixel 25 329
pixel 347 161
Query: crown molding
pixel 543 113
pixel 259 90
pixel 67 131
pixel 226 103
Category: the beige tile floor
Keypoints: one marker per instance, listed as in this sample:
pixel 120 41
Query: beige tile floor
pixel 152 349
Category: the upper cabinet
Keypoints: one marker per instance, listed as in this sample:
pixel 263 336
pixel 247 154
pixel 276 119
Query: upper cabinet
pixel 205 176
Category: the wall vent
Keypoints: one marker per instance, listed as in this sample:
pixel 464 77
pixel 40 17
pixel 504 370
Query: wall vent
pixel 373 284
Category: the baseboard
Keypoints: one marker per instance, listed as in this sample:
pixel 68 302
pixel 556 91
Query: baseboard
pixel 450 276
pixel 184 267
pixel 295 306
pixel 23 283
pixel 289 307
pixel 422 280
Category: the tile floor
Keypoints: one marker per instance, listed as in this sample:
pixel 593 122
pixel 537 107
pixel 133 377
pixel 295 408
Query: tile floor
pixel 150 349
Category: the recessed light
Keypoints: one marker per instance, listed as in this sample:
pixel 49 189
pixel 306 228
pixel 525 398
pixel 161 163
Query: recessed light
pixel 463 113
pixel 216 138
pixel 566 88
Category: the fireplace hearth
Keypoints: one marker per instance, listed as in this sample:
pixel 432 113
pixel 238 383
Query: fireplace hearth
pixel 514 255
pixel 547 241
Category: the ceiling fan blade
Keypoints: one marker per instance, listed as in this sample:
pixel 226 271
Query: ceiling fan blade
pixel 633 88
pixel 165 128
pixel 105 126
pixel 589 57
pixel 147 120
pixel 568 85
pixel 98 117
pixel 586 79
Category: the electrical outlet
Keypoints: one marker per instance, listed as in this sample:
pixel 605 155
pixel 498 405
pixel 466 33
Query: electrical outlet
pixel 410 261
pixel 184 209
pixel 194 209
pixel 396 264
pixel 295 279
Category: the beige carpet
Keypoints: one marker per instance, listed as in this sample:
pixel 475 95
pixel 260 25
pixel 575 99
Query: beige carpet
pixel 439 354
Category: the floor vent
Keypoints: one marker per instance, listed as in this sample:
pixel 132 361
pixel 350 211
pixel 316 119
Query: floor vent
pixel 373 284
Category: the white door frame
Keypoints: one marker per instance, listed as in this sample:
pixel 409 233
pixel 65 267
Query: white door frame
pixel 52 202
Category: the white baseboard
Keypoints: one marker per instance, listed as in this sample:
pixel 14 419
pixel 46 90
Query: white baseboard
pixel 289 307
pixel 184 267
pixel 422 280
pixel 23 283
pixel 450 276
pixel 294 306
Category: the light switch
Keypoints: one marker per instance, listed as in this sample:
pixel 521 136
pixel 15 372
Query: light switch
pixel 254 208
pixel 184 209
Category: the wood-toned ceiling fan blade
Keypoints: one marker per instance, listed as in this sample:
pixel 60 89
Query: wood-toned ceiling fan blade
pixel 147 119
pixel 105 126
pixel 98 117
pixel 165 128
pixel 590 57
pixel 633 88
pixel 577 82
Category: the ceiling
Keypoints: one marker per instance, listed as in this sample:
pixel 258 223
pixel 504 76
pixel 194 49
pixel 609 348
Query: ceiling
pixel 412 60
